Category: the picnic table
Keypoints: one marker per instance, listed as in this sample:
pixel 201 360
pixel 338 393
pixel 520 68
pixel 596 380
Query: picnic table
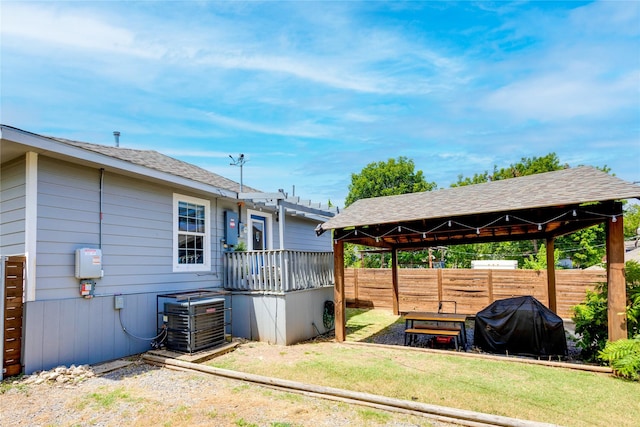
pixel 437 324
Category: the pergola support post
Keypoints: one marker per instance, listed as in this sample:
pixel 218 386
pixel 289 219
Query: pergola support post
pixel 551 275
pixel 394 279
pixel 616 284
pixel 340 305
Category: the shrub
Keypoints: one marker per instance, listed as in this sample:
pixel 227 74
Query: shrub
pixel 591 319
pixel 623 357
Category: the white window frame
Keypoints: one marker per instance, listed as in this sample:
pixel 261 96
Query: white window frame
pixel 206 235
pixel 269 231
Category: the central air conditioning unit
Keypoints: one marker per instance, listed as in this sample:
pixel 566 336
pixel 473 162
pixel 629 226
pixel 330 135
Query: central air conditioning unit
pixel 194 324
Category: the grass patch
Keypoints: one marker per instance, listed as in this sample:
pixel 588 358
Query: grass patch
pixel 242 423
pixel 372 416
pixel 364 325
pixel 13 383
pixel 106 400
pixel 540 393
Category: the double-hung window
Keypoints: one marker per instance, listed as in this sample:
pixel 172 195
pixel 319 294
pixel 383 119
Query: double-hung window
pixel 191 246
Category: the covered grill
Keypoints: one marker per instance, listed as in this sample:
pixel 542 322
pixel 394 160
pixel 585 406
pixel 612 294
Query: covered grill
pixel 520 325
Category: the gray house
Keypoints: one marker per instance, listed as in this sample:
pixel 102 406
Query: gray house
pixel 91 235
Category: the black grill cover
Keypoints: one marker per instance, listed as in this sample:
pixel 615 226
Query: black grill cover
pixel 520 325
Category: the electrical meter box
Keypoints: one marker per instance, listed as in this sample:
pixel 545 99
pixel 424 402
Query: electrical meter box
pixel 88 263
pixel 231 228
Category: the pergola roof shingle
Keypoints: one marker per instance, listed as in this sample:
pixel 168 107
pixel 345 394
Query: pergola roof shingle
pixel 567 187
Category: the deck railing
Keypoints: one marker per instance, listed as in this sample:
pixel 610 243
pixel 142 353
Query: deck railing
pixel 277 271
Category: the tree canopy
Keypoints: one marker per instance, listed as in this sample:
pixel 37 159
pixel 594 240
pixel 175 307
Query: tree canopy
pixel 526 166
pixel 390 178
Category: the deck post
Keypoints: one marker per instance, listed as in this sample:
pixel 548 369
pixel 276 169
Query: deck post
pixel 338 290
pixel 616 284
pixel 394 280
pixel 551 275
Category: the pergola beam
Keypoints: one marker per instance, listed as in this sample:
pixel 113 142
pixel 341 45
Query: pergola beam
pixel 616 284
pixel 551 275
pixel 340 303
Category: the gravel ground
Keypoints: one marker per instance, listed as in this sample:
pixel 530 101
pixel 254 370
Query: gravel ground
pixel 143 395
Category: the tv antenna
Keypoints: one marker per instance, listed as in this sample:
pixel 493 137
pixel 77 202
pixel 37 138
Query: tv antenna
pixel 240 161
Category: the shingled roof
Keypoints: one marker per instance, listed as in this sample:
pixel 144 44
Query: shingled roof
pixel 154 160
pixel 573 186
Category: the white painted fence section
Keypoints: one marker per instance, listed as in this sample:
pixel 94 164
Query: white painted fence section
pixel 277 271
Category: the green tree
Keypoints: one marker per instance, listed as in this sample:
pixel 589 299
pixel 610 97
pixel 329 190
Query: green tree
pixel 526 166
pixel 631 220
pixel 539 260
pixel 585 247
pixel 393 177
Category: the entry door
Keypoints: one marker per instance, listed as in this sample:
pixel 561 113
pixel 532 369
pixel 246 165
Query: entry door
pixel 258 233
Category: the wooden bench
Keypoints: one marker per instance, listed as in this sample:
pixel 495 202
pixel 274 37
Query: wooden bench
pixel 453 332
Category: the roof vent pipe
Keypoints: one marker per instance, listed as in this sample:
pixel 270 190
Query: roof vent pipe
pixel 116 135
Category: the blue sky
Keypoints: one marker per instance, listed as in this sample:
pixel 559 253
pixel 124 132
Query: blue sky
pixel 312 92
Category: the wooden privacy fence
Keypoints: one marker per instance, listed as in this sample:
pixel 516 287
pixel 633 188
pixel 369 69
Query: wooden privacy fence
pixel 421 289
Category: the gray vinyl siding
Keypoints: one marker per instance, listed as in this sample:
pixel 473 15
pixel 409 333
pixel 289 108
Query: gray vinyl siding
pixel 137 227
pixel 79 331
pixel 300 235
pixel 12 208
pixel 62 328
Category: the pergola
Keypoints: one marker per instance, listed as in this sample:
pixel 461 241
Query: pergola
pixel 542 206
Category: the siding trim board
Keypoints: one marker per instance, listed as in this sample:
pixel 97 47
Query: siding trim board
pixel 31 224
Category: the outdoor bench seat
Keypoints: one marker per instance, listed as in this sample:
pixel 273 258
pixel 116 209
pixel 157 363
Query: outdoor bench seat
pixel 439 327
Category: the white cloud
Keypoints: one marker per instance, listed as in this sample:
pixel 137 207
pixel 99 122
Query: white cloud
pixel 221 44
pixel 563 96
pixel 571 68
pixel 302 129
pixel 48 26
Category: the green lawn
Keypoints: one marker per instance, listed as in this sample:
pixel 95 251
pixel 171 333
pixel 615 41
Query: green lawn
pixel 540 393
